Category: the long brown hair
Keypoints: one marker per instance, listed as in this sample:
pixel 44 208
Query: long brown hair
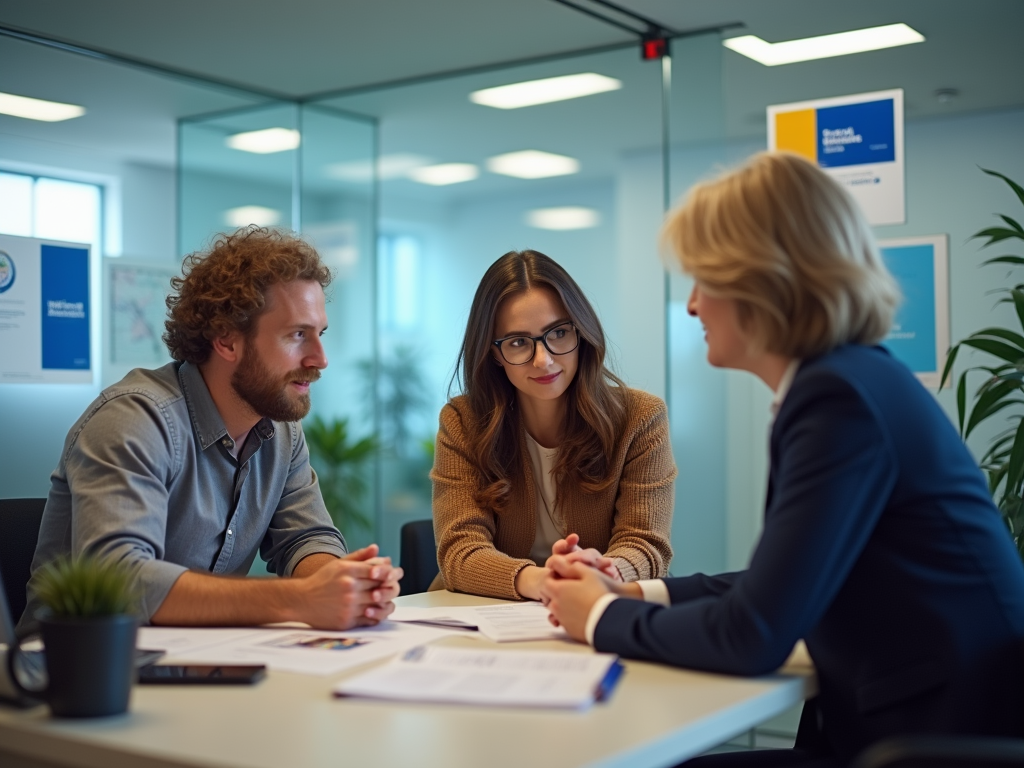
pixel 595 409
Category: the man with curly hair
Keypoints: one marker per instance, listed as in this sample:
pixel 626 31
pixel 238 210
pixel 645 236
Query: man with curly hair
pixel 183 473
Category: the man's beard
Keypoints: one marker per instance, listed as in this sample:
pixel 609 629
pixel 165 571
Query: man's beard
pixel 267 394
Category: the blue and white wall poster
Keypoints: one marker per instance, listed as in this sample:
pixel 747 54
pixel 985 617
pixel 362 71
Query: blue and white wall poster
pixel 858 140
pixel 46 312
pixel 920 331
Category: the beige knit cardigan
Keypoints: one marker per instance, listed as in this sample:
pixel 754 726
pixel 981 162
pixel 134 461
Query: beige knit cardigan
pixel 481 552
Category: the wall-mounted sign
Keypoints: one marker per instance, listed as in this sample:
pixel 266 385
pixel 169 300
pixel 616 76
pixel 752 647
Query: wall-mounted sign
pixel 858 140
pixel 920 332
pixel 45 312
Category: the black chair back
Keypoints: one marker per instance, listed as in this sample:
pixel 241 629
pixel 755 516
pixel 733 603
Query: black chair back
pixel 19 532
pixel 418 556
pixel 943 752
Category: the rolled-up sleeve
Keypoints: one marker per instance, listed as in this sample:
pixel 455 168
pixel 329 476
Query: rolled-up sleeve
pixel 118 469
pixel 301 525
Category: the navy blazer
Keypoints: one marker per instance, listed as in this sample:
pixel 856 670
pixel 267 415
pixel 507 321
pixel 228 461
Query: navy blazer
pixel 881 548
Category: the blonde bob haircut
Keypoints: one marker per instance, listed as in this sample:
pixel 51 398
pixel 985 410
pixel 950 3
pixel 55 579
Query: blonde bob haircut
pixel 793 249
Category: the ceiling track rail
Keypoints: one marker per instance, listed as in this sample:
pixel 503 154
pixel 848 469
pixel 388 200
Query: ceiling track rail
pixel 159 69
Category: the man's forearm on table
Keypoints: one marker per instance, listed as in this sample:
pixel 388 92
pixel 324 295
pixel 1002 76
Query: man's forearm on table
pixel 203 599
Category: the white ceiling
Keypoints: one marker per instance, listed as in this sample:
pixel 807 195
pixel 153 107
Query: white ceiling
pixel 310 46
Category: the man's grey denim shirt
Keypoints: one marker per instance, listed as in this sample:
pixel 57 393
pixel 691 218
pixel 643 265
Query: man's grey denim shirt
pixel 147 477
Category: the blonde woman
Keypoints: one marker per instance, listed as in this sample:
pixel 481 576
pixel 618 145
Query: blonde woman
pixel 881 546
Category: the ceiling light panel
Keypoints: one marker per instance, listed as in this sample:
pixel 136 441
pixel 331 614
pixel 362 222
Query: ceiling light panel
pixel 265 142
pixel 245 215
pixel 563 218
pixel 38 109
pixel 388 167
pixel 532 92
pixel 533 164
pixel 823 46
pixel 444 174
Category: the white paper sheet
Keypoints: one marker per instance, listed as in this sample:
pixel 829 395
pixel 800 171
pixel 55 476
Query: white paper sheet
pixel 306 651
pixel 516 621
pixel 503 623
pixel 496 678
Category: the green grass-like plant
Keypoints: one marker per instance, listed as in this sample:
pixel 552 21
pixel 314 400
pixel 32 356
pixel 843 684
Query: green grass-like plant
pixel 86 586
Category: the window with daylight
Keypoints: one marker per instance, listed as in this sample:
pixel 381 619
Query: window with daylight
pixel 52 209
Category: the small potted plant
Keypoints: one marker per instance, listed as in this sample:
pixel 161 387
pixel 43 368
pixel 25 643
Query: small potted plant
pixel 88 626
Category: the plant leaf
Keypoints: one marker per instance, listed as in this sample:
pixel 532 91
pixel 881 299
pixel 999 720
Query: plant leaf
pixel 1003 334
pixel 1013 185
pixel 950 357
pixel 961 401
pixel 996 348
pixel 997 235
pixel 1005 260
pixel 979 415
pixel 1015 468
pixel 1011 222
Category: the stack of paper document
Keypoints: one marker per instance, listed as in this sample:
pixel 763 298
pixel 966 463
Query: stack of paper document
pixel 303 650
pixel 557 679
pixel 502 623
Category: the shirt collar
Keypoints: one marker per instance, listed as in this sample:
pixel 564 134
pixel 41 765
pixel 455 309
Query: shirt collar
pixel 784 384
pixel 206 419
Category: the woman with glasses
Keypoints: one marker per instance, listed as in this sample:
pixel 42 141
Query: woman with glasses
pixel 546 451
pixel 881 546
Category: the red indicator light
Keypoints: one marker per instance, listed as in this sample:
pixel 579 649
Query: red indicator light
pixel 653 48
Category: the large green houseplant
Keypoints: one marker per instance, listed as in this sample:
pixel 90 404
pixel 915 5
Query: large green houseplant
pixel 1003 382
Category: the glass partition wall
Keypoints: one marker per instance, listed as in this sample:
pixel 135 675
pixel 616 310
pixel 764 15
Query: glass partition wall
pixel 413 189
pixel 306 168
pixel 462 183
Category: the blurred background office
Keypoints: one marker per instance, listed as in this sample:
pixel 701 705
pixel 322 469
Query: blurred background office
pixel 372 129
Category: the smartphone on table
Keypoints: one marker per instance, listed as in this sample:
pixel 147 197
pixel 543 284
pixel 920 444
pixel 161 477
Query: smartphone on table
pixel 201 674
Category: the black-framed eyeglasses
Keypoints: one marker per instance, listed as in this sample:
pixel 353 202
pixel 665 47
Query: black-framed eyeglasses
pixel 519 350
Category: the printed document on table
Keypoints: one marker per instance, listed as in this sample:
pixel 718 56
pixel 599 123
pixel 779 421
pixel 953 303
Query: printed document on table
pixel 502 623
pixel 302 650
pixel 557 679
pixel 516 621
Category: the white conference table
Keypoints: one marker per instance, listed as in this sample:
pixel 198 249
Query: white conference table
pixel 657 716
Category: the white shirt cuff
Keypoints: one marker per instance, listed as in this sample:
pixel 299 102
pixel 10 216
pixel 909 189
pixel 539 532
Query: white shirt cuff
pixel 655 591
pixel 596 612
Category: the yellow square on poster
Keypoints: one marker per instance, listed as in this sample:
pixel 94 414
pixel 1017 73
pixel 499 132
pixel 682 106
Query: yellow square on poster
pixel 797 132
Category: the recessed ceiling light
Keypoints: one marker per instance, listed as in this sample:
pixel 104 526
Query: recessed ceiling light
pixel 38 109
pixel 824 46
pixel 388 167
pixel 265 142
pixel 545 91
pixel 245 215
pixel 533 164
pixel 566 217
pixel 444 174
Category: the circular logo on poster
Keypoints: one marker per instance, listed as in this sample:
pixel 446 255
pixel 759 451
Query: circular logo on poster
pixel 6 271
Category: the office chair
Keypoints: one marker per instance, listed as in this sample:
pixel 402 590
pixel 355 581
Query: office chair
pixel 418 556
pixel 19 531
pixel 943 752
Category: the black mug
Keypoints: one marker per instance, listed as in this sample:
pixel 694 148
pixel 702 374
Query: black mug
pixel 90 663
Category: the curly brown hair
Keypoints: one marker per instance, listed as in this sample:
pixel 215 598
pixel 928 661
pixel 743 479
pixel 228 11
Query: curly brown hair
pixel 224 289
